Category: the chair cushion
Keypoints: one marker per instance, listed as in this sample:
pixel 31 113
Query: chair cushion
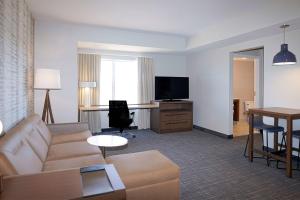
pixel 144 168
pixel 71 149
pixel 72 137
pixel 76 162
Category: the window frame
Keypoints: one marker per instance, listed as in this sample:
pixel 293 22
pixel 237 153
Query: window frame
pixel 114 59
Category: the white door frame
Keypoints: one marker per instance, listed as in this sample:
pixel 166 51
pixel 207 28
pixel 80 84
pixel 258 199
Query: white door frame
pixel 259 62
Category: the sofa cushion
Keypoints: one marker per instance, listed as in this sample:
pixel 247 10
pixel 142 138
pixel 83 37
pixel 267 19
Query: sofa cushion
pixel 17 156
pixel 76 162
pixel 6 167
pixel 37 143
pixel 71 149
pixel 40 126
pixel 72 137
pixel 144 168
pixel 44 131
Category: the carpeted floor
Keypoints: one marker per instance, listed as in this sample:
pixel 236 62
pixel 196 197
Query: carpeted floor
pixel 214 168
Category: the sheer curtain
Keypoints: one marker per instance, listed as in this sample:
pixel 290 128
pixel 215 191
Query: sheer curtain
pixel 145 89
pixel 89 70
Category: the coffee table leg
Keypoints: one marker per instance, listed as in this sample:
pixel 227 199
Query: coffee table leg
pixel 103 150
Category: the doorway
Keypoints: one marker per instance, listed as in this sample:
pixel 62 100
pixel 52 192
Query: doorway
pixel 247 87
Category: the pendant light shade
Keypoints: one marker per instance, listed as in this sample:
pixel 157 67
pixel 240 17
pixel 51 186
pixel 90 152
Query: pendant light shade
pixel 284 57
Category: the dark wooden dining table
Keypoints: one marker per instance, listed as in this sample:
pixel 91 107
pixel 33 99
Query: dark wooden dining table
pixel 289 115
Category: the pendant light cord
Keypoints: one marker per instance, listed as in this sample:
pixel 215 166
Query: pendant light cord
pixel 284 34
pixel 284 26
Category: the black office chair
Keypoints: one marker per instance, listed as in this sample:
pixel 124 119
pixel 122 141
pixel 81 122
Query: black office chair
pixel 119 116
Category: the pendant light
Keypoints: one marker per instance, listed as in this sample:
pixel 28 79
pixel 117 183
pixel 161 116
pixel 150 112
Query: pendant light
pixel 284 57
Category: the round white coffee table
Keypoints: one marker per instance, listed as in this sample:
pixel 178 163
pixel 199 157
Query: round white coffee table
pixel 107 141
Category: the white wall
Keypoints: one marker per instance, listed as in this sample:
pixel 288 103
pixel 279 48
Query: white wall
pixel 56 47
pixel 210 75
pixel 169 65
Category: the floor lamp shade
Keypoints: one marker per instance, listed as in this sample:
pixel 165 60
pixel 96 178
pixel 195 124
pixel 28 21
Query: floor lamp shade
pixel 47 79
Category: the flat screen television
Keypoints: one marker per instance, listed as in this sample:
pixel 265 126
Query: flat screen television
pixel 171 88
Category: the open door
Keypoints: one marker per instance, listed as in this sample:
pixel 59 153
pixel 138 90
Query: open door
pixel 246 87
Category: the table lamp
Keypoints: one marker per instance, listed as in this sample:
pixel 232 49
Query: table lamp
pixel 47 79
pixel 87 96
pixel 1 129
pixel 1 176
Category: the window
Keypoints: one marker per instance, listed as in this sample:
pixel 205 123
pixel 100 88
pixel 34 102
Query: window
pixel 118 80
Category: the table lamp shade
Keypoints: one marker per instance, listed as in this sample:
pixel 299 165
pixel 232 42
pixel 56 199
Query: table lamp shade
pixel 86 84
pixel 47 79
pixel 1 129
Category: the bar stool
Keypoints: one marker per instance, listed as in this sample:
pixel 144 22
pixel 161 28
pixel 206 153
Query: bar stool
pixel 296 134
pixel 260 125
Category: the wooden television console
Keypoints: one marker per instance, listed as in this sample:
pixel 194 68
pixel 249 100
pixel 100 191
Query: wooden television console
pixel 172 116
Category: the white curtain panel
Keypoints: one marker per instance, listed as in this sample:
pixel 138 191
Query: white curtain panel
pixel 89 71
pixel 145 89
pixel 16 62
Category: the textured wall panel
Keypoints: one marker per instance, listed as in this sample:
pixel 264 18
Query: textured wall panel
pixel 16 62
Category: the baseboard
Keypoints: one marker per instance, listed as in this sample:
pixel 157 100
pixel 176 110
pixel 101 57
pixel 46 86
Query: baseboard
pixel 212 132
pixel 115 129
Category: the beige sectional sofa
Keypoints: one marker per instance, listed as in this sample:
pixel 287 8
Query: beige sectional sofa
pixel 32 147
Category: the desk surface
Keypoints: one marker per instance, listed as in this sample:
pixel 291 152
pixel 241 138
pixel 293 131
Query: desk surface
pixel 130 107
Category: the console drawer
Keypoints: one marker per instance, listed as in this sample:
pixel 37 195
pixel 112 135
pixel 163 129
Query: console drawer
pixel 175 106
pixel 170 126
pixel 175 116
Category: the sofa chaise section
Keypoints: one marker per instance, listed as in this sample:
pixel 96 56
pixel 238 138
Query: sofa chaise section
pixel 145 173
pixel 33 147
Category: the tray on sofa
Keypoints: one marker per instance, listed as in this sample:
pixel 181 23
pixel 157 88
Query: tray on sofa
pixel 95 181
pixel 98 180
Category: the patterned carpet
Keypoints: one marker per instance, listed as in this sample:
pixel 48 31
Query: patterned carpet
pixel 214 168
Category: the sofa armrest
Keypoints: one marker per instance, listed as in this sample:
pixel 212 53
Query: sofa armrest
pixel 62 184
pixel 68 128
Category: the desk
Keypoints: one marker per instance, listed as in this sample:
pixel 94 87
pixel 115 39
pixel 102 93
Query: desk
pixel 106 108
pixel 276 113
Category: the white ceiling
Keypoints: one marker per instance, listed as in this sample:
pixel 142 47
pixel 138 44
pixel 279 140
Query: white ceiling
pixel 119 47
pixel 200 23
pixel 181 17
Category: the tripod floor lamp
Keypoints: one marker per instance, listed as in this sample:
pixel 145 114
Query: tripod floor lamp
pixel 47 79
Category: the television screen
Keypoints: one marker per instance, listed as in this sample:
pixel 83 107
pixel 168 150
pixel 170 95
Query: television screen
pixel 169 88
